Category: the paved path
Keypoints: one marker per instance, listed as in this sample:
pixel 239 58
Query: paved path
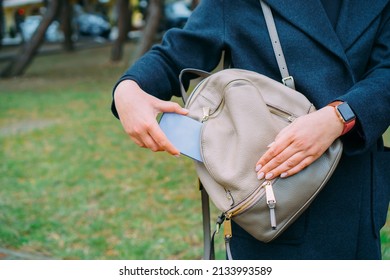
pixel 6 254
pixel 8 52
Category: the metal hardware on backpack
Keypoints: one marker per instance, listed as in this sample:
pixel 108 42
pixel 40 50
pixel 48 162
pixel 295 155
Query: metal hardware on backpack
pixel 242 112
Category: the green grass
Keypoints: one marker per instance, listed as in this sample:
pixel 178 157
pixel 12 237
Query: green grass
pixel 72 186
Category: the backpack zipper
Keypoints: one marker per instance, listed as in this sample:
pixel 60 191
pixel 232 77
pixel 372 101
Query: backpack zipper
pixel 273 110
pixel 265 189
pixel 193 94
pixel 206 114
pixel 280 113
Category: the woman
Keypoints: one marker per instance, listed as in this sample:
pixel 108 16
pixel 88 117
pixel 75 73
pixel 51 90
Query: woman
pixel 339 55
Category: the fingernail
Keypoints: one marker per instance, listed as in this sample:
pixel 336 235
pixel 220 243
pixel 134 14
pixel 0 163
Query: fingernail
pixel 260 176
pixel 258 167
pixel 269 176
pixel 177 156
pixel 269 145
pixel 284 174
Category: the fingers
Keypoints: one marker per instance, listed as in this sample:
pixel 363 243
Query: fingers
pixel 156 142
pixel 154 138
pixel 138 111
pixel 163 144
pixel 146 141
pixel 293 150
pixel 170 107
pixel 297 168
pixel 289 167
pixel 279 160
pixel 275 162
pixel 150 136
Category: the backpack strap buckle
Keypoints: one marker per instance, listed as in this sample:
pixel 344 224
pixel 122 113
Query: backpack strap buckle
pixel 289 82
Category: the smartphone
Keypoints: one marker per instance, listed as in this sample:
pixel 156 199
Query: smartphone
pixel 184 133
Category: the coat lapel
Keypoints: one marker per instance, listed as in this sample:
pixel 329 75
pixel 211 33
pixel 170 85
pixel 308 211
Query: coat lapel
pixel 311 18
pixel 355 17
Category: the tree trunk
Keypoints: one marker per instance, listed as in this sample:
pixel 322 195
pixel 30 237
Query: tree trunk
pixel 154 15
pixel 66 23
pixel 194 4
pixel 124 11
pixel 2 23
pixel 22 60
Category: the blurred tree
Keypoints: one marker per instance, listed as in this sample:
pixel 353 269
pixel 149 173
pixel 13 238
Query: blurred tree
pixel 88 5
pixel 21 61
pixel 154 16
pixel 194 4
pixel 66 22
pixel 2 21
pixel 124 11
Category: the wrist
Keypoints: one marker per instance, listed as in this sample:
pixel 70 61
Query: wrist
pixel 124 88
pixel 344 114
pixel 334 123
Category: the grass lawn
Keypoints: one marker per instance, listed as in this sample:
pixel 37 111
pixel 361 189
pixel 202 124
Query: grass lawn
pixel 73 187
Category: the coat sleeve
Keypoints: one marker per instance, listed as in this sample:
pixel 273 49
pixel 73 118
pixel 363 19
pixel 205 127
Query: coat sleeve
pixel 370 97
pixel 198 45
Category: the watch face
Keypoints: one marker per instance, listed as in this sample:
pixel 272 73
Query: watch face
pixel 346 112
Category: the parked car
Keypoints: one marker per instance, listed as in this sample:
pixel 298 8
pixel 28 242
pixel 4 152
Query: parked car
pixel 90 24
pixel 93 25
pixel 176 14
pixel 31 23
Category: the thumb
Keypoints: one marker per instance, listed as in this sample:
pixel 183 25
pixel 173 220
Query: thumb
pixel 171 107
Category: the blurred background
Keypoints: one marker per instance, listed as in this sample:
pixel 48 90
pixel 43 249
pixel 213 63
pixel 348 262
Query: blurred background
pixel 72 185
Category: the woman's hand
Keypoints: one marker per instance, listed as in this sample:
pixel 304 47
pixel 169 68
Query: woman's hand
pixel 138 110
pixel 300 144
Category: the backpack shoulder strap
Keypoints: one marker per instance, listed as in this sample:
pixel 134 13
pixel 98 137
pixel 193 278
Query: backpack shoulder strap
pixel 273 34
pixel 208 240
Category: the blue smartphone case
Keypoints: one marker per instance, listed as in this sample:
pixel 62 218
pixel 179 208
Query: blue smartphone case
pixel 184 134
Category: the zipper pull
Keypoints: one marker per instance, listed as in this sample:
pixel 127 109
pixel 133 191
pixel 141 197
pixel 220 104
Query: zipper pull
pixel 229 197
pixel 227 227
pixel 206 114
pixel 271 202
pixel 220 220
pixel 291 118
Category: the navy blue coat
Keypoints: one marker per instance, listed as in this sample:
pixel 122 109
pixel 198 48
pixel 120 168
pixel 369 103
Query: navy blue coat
pixel 350 62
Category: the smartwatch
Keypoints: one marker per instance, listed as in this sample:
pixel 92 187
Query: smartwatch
pixel 345 114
